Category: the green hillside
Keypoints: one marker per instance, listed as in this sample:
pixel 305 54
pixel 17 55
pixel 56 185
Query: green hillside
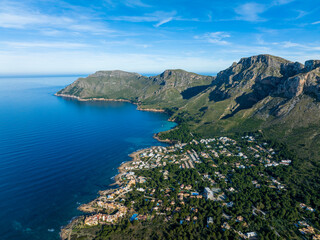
pixel 262 92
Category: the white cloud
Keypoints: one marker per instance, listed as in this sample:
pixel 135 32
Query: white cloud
pixel 135 3
pixel 288 44
pixel 128 3
pixel 250 12
pixel 301 14
pixel 293 46
pixel 59 45
pixel 215 38
pixel 159 17
pixel 306 47
pixel 15 16
pixel 163 21
pixel 282 2
pixel 8 20
pixel 317 22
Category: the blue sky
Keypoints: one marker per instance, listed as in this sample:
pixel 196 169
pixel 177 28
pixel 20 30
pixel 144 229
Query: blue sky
pixel 149 36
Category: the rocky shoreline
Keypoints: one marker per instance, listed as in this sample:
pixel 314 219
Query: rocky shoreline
pixel 109 100
pixel 155 136
pixel 66 231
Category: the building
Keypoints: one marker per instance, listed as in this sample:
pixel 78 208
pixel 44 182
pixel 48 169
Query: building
pixel 208 193
pixel 210 220
pixel 251 235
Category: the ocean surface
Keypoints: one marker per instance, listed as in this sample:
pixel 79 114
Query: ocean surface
pixel 56 153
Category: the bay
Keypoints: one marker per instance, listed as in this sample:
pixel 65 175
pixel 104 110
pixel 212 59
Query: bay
pixel 58 153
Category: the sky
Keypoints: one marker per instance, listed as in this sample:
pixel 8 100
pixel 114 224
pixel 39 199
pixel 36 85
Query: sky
pixel 149 36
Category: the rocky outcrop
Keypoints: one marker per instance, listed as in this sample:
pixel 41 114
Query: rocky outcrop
pixel 266 75
pixel 253 68
pixel 180 79
pixel 306 82
pixel 312 64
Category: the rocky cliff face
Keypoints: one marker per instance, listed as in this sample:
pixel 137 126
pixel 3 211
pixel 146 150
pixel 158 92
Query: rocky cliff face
pixel 180 79
pixel 266 75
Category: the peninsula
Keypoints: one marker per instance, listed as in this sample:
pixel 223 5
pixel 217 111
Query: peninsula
pixel 243 163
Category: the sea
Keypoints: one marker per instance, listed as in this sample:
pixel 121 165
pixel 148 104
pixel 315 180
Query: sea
pixel 57 153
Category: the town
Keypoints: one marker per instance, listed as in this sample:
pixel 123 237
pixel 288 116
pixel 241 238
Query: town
pixel 222 183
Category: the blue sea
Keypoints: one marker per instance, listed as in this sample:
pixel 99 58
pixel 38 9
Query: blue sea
pixel 56 153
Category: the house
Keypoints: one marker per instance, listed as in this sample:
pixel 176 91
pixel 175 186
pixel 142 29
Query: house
pixel 225 226
pixel 210 220
pixel 251 235
pixel 239 219
pixel 208 193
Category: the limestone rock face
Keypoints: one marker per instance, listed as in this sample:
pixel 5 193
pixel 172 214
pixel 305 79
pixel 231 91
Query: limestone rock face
pixel 291 69
pixel 312 64
pixel 266 75
pixel 307 82
pixel 181 79
pixel 252 68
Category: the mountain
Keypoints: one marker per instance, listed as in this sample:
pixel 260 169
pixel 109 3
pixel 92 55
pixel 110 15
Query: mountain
pixel 171 88
pixel 261 92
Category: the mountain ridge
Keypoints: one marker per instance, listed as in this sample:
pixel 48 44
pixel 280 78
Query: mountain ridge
pixel 262 92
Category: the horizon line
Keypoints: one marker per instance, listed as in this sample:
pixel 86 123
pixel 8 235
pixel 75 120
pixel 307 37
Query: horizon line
pixel 35 75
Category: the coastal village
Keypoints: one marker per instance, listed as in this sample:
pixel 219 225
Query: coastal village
pixel 175 182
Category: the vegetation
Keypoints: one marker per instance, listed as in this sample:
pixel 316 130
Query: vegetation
pixel 251 98
pixel 256 203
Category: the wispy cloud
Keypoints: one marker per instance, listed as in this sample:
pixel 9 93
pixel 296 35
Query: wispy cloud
pixel 159 17
pixel 314 23
pixel 282 2
pixel 59 45
pixel 250 12
pixel 293 46
pixel 136 3
pixel 301 14
pixel 215 38
pixel 20 17
pixel 163 21
pixel 128 3
pixel 307 47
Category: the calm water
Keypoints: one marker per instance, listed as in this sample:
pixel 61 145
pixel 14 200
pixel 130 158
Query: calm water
pixel 56 154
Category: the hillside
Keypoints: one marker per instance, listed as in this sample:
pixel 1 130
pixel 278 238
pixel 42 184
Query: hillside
pixel 171 88
pixel 261 92
pixel 232 125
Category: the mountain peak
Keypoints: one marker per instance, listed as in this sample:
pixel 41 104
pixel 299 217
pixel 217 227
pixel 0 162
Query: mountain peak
pixel 114 73
pixel 251 68
pixel 264 59
pixel 174 72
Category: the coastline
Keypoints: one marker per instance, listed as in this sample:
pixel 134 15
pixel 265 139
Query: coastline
pixel 109 100
pixel 155 136
pixel 65 232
